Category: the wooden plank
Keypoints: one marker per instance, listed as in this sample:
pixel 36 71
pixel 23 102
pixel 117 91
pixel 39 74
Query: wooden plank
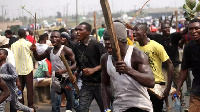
pixel 95 26
pixel 176 14
pixel 138 12
pixel 62 57
pixel 35 29
pixel 110 28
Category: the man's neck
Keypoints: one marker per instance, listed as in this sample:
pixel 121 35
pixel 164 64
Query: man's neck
pixel 85 40
pixel 144 42
pixel 57 47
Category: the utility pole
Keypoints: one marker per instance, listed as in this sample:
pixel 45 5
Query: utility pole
pixel 67 14
pixel 2 6
pixel 76 12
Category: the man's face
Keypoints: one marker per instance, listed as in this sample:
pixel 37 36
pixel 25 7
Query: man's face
pixel 166 29
pixel 138 33
pixel 55 38
pixel 194 30
pixel 63 40
pixel 2 55
pixel 108 45
pixel 7 36
pixel 81 32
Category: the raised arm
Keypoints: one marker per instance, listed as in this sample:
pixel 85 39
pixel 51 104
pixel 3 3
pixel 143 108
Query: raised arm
pixel 140 69
pixel 105 83
pixel 4 91
pixel 38 57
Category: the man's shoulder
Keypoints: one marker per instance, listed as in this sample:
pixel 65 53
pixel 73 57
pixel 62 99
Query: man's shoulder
pixel 138 53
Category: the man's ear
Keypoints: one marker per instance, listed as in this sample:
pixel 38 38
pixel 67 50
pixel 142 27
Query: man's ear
pixel 88 32
pixel 145 34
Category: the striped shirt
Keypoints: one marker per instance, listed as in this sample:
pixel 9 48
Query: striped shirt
pixel 23 56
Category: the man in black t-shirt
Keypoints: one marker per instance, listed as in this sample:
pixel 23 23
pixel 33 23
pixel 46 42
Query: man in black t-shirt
pixel 8 34
pixel 191 59
pixel 87 54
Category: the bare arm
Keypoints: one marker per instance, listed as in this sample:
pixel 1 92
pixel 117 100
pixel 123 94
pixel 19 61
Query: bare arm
pixel 69 55
pixel 170 72
pixel 105 83
pixel 47 74
pixel 4 91
pixel 144 74
pixel 182 77
pixel 38 57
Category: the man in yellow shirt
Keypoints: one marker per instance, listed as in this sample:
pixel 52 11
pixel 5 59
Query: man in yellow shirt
pixel 24 65
pixel 156 54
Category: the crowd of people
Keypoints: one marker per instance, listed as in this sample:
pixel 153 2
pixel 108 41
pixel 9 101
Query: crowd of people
pixel 150 60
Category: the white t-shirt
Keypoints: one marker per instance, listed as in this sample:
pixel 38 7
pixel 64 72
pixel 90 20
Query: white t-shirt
pixel 10 57
pixel 40 48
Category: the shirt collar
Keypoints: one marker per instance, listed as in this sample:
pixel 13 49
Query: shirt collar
pixel 87 42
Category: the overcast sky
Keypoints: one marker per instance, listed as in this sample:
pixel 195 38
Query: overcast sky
pixel 50 7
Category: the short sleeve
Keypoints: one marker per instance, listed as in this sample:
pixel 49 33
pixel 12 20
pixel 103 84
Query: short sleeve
pixel 185 64
pixel 44 66
pixel 162 54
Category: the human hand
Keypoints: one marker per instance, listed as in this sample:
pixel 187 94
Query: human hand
pixel 18 84
pixel 33 47
pixel 61 71
pixel 72 80
pixel 175 92
pixel 121 67
pixel 88 71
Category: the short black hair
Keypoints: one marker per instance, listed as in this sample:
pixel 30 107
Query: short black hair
pixel 9 32
pixel 22 33
pixel 88 26
pixel 62 30
pixel 57 32
pixel 162 24
pixel 4 51
pixel 195 20
pixel 144 26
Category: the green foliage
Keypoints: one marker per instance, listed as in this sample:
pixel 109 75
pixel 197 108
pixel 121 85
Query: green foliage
pixel 191 3
pixel 190 12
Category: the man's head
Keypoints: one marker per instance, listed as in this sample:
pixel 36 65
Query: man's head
pixel 43 38
pixel 83 31
pixel 139 32
pixel 121 34
pixel 22 33
pixel 62 30
pixel 55 38
pixel 194 29
pixel 3 54
pixel 4 42
pixel 165 28
pixel 103 25
pixel 8 33
pixel 74 35
pixel 65 38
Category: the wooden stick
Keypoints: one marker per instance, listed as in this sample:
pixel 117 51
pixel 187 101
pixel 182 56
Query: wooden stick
pixel 176 14
pixel 95 26
pixel 62 57
pixel 35 28
pixel 110 28
pixel 138 12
